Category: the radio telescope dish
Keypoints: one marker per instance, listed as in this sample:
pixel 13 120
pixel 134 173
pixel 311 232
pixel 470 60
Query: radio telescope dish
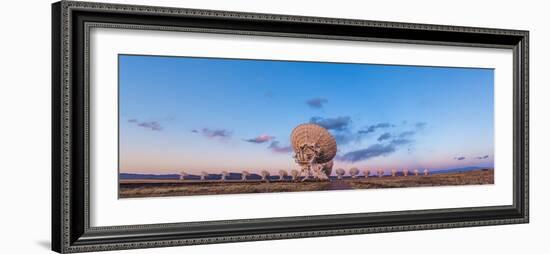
pixel 313 134
pixel 313 147
pixel 327 168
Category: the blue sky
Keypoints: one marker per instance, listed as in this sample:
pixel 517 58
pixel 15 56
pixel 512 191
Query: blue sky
pixel 195 114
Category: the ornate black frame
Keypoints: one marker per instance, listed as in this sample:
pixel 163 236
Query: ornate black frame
pixel 71 22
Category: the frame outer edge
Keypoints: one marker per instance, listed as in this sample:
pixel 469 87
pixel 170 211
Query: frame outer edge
pixel 56 128
pixel 526 112
pixel 65 120
pixel 189 12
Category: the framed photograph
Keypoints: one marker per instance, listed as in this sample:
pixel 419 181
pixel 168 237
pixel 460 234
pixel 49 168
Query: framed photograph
pixel 182 126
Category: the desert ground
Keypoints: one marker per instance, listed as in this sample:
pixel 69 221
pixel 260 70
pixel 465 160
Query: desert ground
pixel 163 188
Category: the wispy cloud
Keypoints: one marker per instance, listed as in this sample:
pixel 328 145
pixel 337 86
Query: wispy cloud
pixel 369 152
pixel 374 127
pixel 420 125
pixel 401 141
pixel 384 136
pixel 340 123
pixel 482 157
pixel 260 139
pixel 406 134
pixel 277 148
pixel 459 158
pixel 214 133
pixel 316 102
pixel 150 125
pixel 343 138
pixel 274 145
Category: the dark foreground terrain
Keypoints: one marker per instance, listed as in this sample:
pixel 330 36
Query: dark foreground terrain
pixel 137 188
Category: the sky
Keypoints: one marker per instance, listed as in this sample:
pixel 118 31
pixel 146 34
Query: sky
pixel 210 114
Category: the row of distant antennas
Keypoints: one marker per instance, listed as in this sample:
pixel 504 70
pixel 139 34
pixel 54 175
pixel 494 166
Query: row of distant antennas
pixel 354 172
pixel 294 174
pixel 244 174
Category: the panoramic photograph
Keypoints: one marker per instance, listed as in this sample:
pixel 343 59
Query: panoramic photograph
pixel 208 126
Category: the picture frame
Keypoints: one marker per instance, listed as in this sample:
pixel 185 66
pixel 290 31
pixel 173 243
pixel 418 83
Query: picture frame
pixel 71 196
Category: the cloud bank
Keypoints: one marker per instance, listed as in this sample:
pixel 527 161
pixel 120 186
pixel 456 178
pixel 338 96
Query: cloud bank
pixel 369 152
pixel 387 143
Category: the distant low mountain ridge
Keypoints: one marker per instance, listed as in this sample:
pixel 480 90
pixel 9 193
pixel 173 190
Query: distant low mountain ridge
pixel 457 170
pixel 129 176
pixel 230 176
